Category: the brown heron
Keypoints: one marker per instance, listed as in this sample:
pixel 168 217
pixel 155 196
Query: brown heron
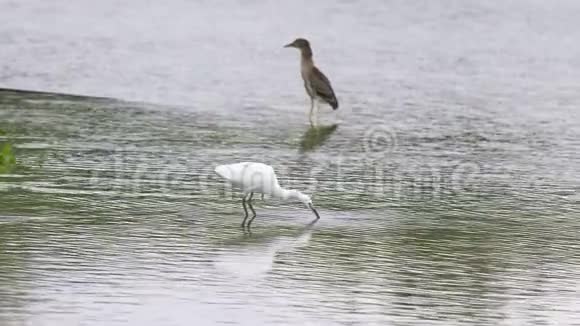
pixel 316 83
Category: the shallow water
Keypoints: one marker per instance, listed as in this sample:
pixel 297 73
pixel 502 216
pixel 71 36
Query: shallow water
pixel 447 181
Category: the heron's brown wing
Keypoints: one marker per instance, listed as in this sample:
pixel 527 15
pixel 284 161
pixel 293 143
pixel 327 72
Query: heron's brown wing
pixel 321 85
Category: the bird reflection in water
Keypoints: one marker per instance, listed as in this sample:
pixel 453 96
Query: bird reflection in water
pixel 316 136
pixel 255 256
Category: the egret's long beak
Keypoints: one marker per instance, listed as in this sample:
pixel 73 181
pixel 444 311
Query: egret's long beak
pixel 289 45
pixel 314 210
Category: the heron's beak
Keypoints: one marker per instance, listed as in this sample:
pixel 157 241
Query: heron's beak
pixel 289 45
pixel 314 210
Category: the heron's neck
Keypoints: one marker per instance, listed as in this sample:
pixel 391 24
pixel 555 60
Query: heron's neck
pixel 306 66
pixel 306 56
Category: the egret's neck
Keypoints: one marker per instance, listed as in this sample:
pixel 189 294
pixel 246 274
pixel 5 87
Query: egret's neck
pixel 291 194
pixel 284 194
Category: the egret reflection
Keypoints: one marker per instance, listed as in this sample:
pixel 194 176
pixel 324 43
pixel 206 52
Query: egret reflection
pixel 254 256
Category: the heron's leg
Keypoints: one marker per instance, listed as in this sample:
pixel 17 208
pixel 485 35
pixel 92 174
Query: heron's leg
pixel 316 109
pixel 311 110
pixel 245 210
pixel 252 208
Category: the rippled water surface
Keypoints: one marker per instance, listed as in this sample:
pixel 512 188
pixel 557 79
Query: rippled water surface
pixel 447 181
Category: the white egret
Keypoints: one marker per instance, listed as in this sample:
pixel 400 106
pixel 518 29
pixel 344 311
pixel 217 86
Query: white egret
pixel 252 178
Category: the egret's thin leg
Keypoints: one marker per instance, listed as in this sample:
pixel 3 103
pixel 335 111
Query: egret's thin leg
pixel 245 209
pixel 252 208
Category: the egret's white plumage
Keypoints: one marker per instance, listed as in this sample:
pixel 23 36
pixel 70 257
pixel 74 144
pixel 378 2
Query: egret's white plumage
pixel 252 177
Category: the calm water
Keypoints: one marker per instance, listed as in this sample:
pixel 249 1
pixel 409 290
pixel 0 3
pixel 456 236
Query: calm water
pixel 447 181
